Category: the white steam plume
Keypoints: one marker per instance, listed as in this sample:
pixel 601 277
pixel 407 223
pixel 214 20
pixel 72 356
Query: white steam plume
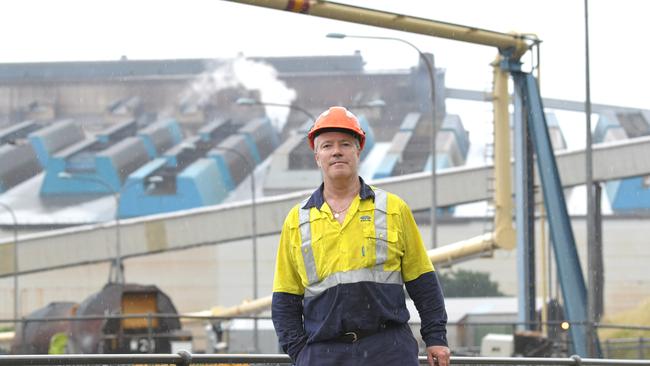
pixel 249 74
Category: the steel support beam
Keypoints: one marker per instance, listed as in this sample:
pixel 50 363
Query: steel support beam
pixel 570 274
pixel 524 215
pixel 551 103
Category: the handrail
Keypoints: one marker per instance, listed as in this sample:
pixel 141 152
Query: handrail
pixel 186 358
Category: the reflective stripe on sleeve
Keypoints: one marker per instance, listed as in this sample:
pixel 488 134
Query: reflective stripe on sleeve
pixel 376 275
pixel 305 246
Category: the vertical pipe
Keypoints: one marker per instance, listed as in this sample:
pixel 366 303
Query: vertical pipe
pixel 504 233
pixel 546 280
pixel 434 154
pixel 592 276
pixel 599 289
pixel 256 342
pixel 545 256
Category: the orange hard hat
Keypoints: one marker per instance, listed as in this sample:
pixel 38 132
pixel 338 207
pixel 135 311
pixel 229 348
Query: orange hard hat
pixel 337 119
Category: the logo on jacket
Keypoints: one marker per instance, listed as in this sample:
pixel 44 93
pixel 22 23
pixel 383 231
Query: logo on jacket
pixel 365 218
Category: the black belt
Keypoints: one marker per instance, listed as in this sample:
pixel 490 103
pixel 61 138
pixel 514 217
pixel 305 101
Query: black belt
pixel 356 335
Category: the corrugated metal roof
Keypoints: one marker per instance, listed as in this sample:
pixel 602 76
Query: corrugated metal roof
pixel 98 70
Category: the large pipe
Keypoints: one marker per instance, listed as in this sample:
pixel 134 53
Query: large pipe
pixel 465 249
pixel 446 254
pixel 504 233
pixel 400 22
pixel 246 308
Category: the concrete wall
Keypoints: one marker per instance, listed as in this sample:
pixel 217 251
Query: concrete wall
pixel 203 277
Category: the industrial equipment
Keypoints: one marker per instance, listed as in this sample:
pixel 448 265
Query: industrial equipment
pixel 120 318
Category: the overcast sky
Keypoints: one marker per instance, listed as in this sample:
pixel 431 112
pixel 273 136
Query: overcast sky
pixel 45 30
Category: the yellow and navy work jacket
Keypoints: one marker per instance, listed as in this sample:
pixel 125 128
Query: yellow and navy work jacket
pixel 351 276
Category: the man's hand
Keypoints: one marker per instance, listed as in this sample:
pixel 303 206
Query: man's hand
pixel 438 355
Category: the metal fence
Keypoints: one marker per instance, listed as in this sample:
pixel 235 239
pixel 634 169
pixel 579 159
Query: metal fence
pixel 627 347
pixel 184 358
pixel 466 340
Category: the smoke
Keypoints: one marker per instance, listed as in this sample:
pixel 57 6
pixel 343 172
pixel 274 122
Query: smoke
pixel 251 75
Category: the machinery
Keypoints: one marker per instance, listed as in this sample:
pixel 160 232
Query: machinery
pixel 105 322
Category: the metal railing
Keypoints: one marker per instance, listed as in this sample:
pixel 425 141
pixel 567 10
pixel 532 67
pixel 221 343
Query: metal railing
pixel 627 348
pixel 622 347
pixel 184 358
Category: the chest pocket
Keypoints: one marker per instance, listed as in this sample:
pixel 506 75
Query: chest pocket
pixel 378 233
pixel 384 240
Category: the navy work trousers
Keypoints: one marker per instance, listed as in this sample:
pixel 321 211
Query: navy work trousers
pixel 394 346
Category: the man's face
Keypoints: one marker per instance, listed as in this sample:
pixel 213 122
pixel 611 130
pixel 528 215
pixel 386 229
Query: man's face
pixel 337 154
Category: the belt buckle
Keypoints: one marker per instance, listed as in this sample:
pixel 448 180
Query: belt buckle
pixel 354 335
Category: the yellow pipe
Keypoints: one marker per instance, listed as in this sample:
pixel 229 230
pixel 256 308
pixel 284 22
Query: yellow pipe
pixel 441 255
pixel 245 308
pixel 450 253
pixel 400 22
pixel 6 337
pixel 504 233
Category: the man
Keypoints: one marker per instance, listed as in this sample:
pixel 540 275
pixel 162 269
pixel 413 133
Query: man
pixel 345 254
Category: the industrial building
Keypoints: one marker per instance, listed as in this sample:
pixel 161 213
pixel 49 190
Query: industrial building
pixel 170 177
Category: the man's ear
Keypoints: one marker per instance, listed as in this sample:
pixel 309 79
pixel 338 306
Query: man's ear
pixel 317 162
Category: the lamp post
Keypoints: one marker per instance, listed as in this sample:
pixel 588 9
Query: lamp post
pixel 434 128
pixel 15 225
pixel 116 274
pixel 251 167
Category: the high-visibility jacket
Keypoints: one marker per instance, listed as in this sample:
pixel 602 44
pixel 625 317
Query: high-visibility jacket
pixel 351 276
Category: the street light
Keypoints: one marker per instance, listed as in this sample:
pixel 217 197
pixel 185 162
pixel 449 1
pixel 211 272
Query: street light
pixel 15 222
pixel 251 101
pixel 116 273
pixel 251 168
pixel 434 128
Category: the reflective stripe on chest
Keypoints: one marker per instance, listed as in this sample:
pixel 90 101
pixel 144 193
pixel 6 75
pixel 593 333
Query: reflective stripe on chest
pixel 374 274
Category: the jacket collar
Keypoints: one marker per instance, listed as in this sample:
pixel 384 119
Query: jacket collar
pixel 316 199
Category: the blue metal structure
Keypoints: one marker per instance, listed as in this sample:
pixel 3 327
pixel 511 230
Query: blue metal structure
pixel 370 136
pixel 201 183
pixel 160 136
pixel 18 160
pixel 184 177
pixel 54 138
pixel 631 194
pixel 570 274
pixel 26 147
pixel 201 171
pixel 108 158
pixel 408 141
pixel 398 145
